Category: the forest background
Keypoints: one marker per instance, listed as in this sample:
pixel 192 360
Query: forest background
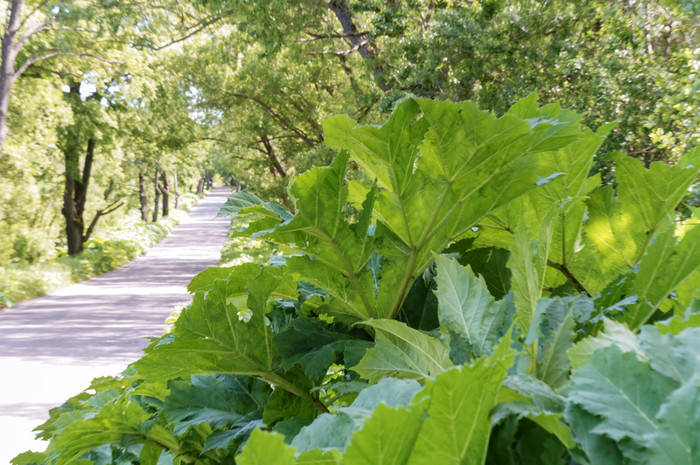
pixel 106 106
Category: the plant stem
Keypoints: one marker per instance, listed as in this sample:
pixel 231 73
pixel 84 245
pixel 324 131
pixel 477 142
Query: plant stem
pixel 566 272
pixel 277 380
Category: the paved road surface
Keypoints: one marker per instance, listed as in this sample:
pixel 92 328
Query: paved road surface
pixel 53 346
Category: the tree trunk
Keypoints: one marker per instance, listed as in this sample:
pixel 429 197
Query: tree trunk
pixel 76 184
pixel 367 51
pixel 143 197
pixel 165 190
pixel 210 182
pixel 177 193
pixel 7 65
pixel 275 166
pixel 156 201
pixel 74 221
pixel 75 196
pixel 274 161
pixel 200 186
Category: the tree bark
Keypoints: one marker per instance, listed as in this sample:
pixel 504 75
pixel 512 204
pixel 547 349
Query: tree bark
pixel 177 193
pixel 157 197
pixel 7 65
pixel 165 191
pixel 75 196
pixel 274 161
pixel 200 186
pixel 364 46
pixel 143 197
pixel 275 166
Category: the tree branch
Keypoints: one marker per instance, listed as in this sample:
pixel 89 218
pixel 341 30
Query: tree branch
pixel 37 57
pixel 287 136
pixel 34 29
pixel 314 37
pixel 354 48
pixel 106 211
pixel 203 25
pixel 52 71
pixel 278 117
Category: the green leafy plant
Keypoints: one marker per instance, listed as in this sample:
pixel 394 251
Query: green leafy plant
pixel 465 303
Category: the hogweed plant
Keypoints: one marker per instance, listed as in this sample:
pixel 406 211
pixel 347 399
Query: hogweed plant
pixel 473 297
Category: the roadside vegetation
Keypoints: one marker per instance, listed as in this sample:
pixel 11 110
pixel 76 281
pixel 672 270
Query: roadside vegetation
pixel 476 297
pixel 107 250
pixel 238 250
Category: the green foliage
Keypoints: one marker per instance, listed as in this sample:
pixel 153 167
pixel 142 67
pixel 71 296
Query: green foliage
pixel 461 302
pixel 644 401
pixel 632 63
pixel 239 250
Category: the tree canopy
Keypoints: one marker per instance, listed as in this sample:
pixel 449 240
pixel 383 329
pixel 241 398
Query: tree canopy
pixel 231 87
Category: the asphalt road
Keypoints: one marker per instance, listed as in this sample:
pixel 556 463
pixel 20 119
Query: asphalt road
pixel 52 347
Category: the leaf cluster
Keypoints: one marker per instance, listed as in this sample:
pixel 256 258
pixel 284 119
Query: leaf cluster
pixel 478 298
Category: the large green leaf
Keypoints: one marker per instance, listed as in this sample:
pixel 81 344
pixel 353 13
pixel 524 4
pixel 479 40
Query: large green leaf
pixel 624 392
pixel 593 448
pixel 265 448
pixel 328 431
pixel 314 346
pixel 528 263
pixel 402 351
pixel 115 421
pixel 526 396
pixel 614 333
pixel 387 438
pixel 553 330
pixel 216 335
pixel 459 402
pixel 318 457
pixel 690 318
pixel 647 408
pixel 212 336
pixel 441 173
pixel 543 227
pixel 652 194
pixel 335 431
pixel 466 307
pixel 247 202
pixel 677 441
pixel 621 229
pixel 676 356
pixel 653 283
pixel 335 252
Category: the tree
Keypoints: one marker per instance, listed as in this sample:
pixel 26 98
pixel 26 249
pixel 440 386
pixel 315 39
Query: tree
pixel 85 132
pixel 38 32
pixel 630 62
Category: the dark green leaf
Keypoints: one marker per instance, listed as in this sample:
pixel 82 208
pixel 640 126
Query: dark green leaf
pixel 218 400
